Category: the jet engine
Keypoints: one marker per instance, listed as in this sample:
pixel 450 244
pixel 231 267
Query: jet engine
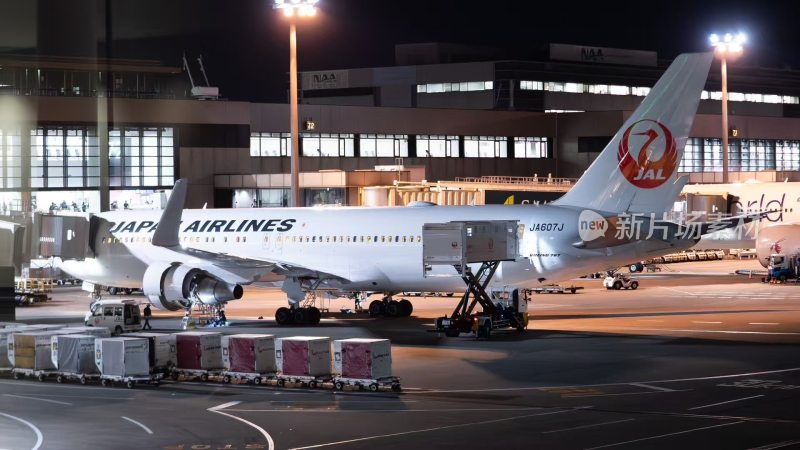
pixel 173 286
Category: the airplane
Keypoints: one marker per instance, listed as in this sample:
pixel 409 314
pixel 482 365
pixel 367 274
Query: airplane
pixel 779 233
pixel 189 256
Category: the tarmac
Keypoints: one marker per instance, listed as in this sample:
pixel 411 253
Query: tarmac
pixel 695 358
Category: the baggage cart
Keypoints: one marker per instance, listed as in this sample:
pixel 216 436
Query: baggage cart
pixel 40 375
pixel 247 377
pixel 374 385
pixel 307 381
pixel 130 381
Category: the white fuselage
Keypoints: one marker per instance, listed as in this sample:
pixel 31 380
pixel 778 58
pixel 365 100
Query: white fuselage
pixel 360 249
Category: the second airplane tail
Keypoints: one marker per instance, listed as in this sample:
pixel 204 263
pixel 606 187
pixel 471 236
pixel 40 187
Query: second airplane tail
pixel 637 170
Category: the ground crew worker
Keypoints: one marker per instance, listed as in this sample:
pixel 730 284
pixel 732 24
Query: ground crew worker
pixel 147 315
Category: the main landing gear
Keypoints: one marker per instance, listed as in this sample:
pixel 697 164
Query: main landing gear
pixel 390 308
pixel 298 316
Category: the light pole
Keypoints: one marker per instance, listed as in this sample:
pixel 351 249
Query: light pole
pixel 293 9
pixel 729 47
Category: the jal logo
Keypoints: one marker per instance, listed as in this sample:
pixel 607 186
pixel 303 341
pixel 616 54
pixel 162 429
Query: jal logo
pixel 647 154
pixel 591 225
pixel 776 247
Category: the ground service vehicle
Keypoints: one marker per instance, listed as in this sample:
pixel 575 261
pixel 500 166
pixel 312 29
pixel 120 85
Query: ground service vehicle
pixel 783 267
pixel 619 281
pixel 119 316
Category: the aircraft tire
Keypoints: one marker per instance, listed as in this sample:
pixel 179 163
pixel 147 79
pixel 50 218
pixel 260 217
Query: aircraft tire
pixel 300 316
pixel 376 308
pixel 393 309
pixel 283 316
pixel 314 315
pixel 406 307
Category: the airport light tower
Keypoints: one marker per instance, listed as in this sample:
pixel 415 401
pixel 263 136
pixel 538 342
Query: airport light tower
pixel 725 48
pixel 294 10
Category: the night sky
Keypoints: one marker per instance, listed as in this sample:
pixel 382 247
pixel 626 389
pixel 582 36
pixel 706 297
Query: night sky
pixel 245 43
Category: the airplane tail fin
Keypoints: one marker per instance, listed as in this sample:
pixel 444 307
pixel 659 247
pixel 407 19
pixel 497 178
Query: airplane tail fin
pixel 637 170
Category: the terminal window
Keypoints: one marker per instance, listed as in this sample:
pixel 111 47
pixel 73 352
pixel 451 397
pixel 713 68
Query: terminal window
pixel 64 157
pixel 270 144
pixel 383 145
pixel 432 146
pixel 327 144
pixel 141 157
pixel 485 147
pixel 10 159
pixel 531 147
pixel 787 155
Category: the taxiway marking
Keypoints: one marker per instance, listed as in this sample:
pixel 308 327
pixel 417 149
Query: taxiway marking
pixel 725 403
pixel 666 435
pixel 704 321
pixel 776 445
pixel 649 386
pixel 40 399
pixel 575 386
pixel 39 438
pixel 587 426
pixel 425 430
pixel 218 410
pixel 764 323
pixel 143 426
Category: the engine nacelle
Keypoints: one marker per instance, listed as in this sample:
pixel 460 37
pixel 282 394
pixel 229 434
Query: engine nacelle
pixel 175 286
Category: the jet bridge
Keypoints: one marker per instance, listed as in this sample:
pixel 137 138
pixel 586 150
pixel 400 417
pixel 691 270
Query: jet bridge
pixel 459 244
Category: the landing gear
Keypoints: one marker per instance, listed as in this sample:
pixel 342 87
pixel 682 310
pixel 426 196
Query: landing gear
pixel 390 308
pixel 298 316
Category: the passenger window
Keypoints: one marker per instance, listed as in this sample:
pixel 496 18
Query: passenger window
pixel 376 238
pixel 327 238
pixel 313 239
pixel 362 238
pixel 419 238
pixel 108 311
pixel 118 311
pixel 244 238
pixel 397 238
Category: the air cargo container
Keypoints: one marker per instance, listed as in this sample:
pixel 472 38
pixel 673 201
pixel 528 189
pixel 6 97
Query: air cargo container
pixel 29 352
pixel 74 358
pixel 123 359
pixel 362 358
pixel 248 357
pixel 199 354
pixel 92 331
pixel 363 364
pixel 303 356
pixel 163 351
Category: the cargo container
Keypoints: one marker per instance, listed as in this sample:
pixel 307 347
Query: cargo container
pixel 248 357
pixel 199 354
pixel 29 352
pixel 123 359
pixel 163 352
pixel 363 364
pixel 5 335
pixel 362 358
pixel 92 331
pixel 303 356
pixel 73 355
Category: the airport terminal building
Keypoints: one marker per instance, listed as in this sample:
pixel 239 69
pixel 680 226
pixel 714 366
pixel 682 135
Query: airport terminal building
pixel 89 135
